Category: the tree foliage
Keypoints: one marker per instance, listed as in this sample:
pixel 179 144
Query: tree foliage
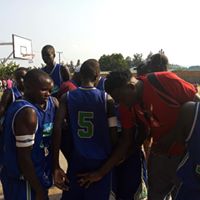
pixel 137 59
pixel 113 62
pixel 6 70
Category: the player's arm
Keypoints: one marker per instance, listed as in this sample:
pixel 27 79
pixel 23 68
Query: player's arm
pixel 25 126
pixel 119 152
pixel 197 97
pixel 6 100
pixel 65 73
pixel 112 120
pixel 61 114
pixel 185 121
pixel 181 130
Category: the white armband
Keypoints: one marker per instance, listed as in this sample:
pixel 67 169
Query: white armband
pixel 25 140
pixel 112 121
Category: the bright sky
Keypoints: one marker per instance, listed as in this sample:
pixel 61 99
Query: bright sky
pixel 84 29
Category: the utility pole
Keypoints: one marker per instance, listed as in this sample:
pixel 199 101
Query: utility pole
pixel 6 59
pixel 59 57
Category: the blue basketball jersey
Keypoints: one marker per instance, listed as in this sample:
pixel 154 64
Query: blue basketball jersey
pixel 41 151
pixel 88 122
pixel 56 75
pixel 189 168
pixel 100 84
pixel 16 94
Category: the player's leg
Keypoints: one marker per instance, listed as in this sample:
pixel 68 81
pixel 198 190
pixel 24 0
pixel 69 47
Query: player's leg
pixel 161 175
pixel 66 143
pixel 128 176
pixel 17 190
pixel 99 190
pixel 75 191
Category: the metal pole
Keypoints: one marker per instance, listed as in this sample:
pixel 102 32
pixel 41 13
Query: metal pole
pixel 59 57
pixel 6 59
pixel 6 43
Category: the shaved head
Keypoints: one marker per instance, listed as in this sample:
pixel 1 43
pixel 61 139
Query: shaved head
pixel 37 86
pixel 36 77
pixel 90 70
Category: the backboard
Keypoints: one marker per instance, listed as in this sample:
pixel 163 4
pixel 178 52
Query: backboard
pixel 22 48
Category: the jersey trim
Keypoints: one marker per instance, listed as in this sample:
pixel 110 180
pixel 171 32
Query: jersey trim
pixel 53 69
pixel 13 95
pixel 194 122
pixel 87 88
pixel 13 130
pixel 184 160
pixel 28 191
pixel 106 102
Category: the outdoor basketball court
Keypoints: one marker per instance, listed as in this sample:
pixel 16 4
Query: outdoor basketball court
pixel 21 49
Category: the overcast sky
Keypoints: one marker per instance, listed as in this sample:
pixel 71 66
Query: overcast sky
pixel 84 29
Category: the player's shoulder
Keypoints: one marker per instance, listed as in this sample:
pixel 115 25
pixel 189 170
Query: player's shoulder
pixel 166 75
pixel 24 112
pixel 190 107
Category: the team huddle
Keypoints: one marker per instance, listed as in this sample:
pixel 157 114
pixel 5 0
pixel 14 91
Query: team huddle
pixel 133 137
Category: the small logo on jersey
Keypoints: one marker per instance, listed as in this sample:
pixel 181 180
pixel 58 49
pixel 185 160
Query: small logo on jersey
pixel 55 89
pixel 47 129
pixel 197 169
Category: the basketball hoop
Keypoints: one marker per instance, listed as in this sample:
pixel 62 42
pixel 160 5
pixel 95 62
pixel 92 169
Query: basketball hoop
pixel 28 56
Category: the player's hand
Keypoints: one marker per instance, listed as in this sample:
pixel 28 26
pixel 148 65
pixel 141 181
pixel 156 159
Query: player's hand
pixel 60 179
pixel 86 179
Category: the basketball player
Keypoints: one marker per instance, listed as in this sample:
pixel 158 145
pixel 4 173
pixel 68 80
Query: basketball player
pixel 156 100
pixel 91 115
pixel 9 96
pixel 27 140
pixel 16 92
pixel 57 72
pixel 186 131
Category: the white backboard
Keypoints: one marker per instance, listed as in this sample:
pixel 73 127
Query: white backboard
pixel 22 48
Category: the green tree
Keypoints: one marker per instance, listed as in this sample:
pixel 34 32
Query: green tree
pixel 149 55
pixel 137 59
pixel 6 70
pixel 129 61
pixel 113 62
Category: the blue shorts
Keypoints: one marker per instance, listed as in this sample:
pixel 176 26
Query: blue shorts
pixel 98 191
pixel 15 189
pixel 187 193
pixel 127 176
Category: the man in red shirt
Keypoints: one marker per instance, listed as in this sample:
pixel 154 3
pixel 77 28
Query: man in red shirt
pixel 72 84
pixel 155 100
